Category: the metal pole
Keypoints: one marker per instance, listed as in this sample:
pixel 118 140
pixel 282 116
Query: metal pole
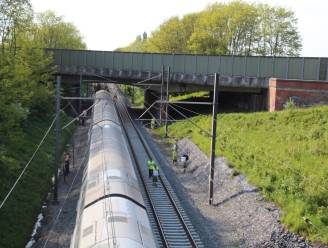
pixel 57 145
pixel 161 104
pixel 214 120
pixel 80 102
pixel 132 94
pixel 167 99
pixel 73 156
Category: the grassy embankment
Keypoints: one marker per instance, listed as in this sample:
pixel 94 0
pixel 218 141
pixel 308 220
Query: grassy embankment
pixel 284 153
pixel 189 96
pixel 138 99
pixel 18 215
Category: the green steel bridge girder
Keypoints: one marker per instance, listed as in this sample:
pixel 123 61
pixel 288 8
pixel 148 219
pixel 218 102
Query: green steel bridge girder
pixel 188 70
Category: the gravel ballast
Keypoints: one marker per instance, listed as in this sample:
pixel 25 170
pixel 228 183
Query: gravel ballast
pixel 59 219
pixel 239 217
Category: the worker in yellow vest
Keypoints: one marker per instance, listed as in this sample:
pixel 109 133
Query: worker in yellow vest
pixel 151 166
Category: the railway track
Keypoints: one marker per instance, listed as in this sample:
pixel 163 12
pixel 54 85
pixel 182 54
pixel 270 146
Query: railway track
pixel 172 227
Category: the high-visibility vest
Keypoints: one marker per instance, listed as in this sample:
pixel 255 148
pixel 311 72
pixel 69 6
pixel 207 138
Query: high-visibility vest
pixel 151 164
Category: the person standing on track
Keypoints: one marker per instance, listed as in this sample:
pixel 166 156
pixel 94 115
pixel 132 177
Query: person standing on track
pixel 66 165
pixel 151 166
pixel 83 117
pixel 174 152
pixel 155 175
pixel 184 160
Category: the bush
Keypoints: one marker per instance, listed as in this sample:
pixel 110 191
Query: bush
pixel 290 104
pixel 18 215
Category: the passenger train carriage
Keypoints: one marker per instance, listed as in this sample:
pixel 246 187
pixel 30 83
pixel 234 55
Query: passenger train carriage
pixel 111 211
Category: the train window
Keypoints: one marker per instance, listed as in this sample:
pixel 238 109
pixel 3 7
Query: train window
pixel 87 231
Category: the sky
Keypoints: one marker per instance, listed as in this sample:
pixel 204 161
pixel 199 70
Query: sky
pixel 109 24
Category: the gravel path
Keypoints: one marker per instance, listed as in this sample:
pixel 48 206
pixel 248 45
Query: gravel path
pixel 239 217
pixel 59 235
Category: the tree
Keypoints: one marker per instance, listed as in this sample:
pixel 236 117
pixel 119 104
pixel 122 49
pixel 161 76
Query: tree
pixel 235 28
pixel 278 34
pixel 172 36
pixel 226 29
pixel 51 31
pixel 25 73
pixel 138 45
pixel 239 28
pixel 15 15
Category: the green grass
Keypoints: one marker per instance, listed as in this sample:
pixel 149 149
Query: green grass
pixel 18 215
pixel 138 97
pixel 284 153
pixel 137 100
pixel 181 97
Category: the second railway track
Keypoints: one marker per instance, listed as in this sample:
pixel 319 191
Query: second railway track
pixel 172 227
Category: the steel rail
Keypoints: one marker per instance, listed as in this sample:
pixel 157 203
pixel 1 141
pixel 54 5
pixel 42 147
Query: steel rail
pixel 150 154
pixel 151 203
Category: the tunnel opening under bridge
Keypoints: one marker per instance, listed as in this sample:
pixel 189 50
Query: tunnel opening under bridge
pixel 229 102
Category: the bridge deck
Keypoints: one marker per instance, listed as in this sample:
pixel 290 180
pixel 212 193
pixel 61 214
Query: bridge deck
pixel 235 71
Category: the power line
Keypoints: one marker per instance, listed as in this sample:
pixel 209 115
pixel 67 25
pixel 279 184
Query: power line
pixel 68 193
pixel 31 159
pixel 77 117
pixel 191 111
pixel 28 163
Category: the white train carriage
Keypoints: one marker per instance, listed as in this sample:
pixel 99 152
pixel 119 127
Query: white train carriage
pixel 111 211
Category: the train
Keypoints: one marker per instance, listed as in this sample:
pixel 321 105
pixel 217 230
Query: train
pixel 111 211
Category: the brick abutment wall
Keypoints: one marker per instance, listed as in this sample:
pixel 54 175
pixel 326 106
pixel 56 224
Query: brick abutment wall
pixel 303 93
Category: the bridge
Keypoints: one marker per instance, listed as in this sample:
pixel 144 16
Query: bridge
pixel 241 74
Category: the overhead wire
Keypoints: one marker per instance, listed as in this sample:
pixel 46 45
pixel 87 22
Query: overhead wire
pixel 29 162
pixel 32 157
pixel 158 108
pixel 77 117
pixel 191 111
pixel 68 192
pixel 188 119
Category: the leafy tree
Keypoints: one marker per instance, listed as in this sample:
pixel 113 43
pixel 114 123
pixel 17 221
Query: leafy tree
pixel 235 28
pixel 51 31
pixel 26 97
pixel 138 45
pixel 25 74
pixel 15 15
pixel 278 34
pixel 173 35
